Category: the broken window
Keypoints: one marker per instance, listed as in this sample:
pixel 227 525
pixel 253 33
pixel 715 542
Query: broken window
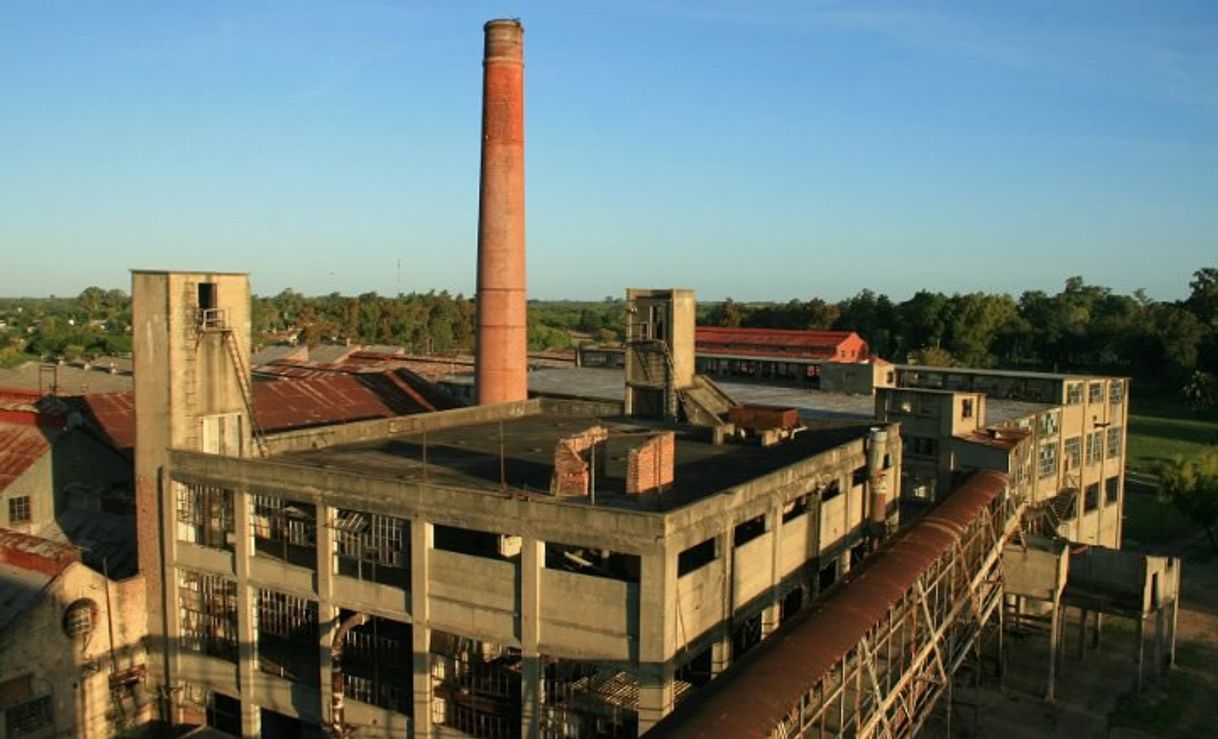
pixel 373 547
pixel 1074 452
pixel 1112 489
pixel 285 530
pixel 1047 460
pixel 1095 447
pixel 1095 392
pixel 208 612
pixel 1074 393
pixel 746 635
pixel 1114 442
pixel 377 664
pixel 210 315
pixel 966 408
pixel 592 561
pixel 830 491
pixel 1091 497
pixel 584 699
pixel 696 557
pixel 476 686
pixel 1116 392
pixel 205 516
pixel 288 637
pixel 795 508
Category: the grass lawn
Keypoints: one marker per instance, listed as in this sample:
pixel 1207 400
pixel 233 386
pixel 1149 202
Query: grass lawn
pixel 1184 704
pixel 1161 428
pixel 1149 521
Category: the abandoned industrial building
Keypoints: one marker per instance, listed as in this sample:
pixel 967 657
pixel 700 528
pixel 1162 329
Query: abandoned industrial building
pixel 597 551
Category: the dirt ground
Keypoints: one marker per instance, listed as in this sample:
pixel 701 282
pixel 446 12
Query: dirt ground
pixel 1095 691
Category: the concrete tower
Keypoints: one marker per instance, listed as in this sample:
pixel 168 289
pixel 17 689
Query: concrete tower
pixel 191 334
pixel 501 366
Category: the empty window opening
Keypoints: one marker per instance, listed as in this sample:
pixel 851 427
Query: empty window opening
pixel 223 713
pixel 592 561
pixel 858 476
pixel 476 686
pixel 830 491
pixel 1091 497
pixel 748 530
pixel 476 543
pixel 377 664
pixel 373 547
pixel 285 530
pixel 697 671
pixel 287 637
pixel 827 576
pixel 746 635
pixel 696 557
pixel 210 315
pixel 205 516
pixel 857 554
pixel 1112 490
pixel 795 508
pixel 586 699
pixel 792 602
pixel 207 607
pixel 966 408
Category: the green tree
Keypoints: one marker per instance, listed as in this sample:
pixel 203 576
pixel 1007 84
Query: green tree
pixel 1192 487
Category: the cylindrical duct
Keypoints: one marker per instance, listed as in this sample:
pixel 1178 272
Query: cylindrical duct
pixel 501 371
pixel 877 447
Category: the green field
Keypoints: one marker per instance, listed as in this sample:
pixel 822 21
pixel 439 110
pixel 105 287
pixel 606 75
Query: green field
pixel 1161 428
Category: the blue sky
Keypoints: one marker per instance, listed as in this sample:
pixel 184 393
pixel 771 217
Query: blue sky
pixel 762 150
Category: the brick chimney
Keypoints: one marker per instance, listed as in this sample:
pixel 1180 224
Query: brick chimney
pixel 501 371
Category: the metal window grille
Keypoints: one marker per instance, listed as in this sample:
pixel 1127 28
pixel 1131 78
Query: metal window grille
pixel 206 515
pixel 208 609
pixel 29 717
pixel 1047 460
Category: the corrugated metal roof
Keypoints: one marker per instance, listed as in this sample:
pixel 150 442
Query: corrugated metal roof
pixel 113 414
pixel 21 445
pixel 753 695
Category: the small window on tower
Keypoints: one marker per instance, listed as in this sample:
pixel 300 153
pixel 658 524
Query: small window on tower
pixel 209 313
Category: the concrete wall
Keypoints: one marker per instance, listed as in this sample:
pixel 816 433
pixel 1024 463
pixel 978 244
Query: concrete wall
pixel 75 671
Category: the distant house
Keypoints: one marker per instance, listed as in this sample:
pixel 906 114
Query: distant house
pixel 829 346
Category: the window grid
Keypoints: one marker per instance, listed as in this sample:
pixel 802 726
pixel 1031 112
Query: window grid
pixel 19 509
pixel 205 515
pixel 208 608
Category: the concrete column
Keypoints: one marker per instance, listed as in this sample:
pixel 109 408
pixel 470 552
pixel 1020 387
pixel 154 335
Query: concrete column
pixel 1141 637
pixel 1096 637
pixel 328 614
pixel 1054 631
pixel 657 599
pixel 772 615
pixel 532 562
pixel 1082 633
pixel 721 650
pixel 165 629
pixel 1175 617
pixel 247 627
pixel 421 540
pixel 1158 645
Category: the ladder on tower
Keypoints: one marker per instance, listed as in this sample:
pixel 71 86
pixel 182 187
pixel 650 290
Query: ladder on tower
pixel 247 394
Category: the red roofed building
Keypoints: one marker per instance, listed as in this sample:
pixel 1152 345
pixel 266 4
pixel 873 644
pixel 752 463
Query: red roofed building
pixel 829 346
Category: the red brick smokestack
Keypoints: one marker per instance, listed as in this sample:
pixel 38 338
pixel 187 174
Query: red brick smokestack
pixel 501 372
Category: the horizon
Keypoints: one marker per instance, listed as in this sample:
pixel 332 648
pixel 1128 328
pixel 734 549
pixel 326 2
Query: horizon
pixel 759 152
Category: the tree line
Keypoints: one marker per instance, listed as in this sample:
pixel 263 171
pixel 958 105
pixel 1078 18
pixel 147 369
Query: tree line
pixel 1082 327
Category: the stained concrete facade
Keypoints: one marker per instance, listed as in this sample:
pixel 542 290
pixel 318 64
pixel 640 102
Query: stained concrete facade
pixel 57 683
pixel 1061 438
pixel 191 340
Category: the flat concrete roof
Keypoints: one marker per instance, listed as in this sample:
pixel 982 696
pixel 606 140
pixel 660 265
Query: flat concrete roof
pixel 468 457
pixel 999 411
pixel 610 384
pixel 1028 374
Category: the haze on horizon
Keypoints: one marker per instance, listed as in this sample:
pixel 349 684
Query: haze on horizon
pixel 758 150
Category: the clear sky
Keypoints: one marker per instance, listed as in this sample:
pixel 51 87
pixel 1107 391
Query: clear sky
pixel 752 149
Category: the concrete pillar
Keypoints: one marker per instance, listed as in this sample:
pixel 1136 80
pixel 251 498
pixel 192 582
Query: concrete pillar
pixel 421 540
pixel 500 372
pixel 657 619
pixel 1082 633
pixel 328 614
pixel 1158 645
pixel 247 630
pixel 1097 637
pixel 721 650
pixel 532 562
pixel 771 617
pixel 1175 617
pixel 1054 631
pixel 1141 637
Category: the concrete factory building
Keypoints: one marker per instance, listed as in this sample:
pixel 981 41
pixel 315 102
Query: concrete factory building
pixel 540 567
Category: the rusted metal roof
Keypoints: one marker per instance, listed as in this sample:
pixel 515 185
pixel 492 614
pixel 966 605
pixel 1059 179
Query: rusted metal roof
pixel 778 342
pixel 111 413
pixel 22 443
pixel 283 405
pixel 755 693
pixel 1006 438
